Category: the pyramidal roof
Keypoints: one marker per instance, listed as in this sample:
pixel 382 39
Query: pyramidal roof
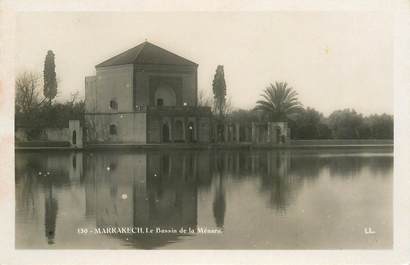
pixel 146 53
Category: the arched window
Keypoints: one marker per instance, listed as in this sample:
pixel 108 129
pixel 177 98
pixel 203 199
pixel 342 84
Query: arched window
pixel 113 129
pixel 113 105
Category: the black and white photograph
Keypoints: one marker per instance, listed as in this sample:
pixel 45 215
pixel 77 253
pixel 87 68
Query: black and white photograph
pixel 147 131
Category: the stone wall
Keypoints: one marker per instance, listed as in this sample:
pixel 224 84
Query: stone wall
pixel 129 127
pixel 154 129
pixel 204 126
pixel 113 83
pixel 73 134
pixel 57 134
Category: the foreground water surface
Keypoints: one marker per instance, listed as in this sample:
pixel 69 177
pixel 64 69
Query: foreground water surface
pixel 281 199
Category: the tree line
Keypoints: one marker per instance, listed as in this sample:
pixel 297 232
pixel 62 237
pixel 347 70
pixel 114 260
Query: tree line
pixel 279 102
pixel 340 124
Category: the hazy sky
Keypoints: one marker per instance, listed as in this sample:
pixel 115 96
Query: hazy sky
pixel 333 59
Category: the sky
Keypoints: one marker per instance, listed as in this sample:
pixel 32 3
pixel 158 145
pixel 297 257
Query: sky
pixel 334 60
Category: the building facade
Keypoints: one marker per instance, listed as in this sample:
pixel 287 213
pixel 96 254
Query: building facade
pixel 145 95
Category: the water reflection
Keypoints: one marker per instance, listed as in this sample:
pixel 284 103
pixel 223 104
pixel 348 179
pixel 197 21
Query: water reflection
pixel 139 190
pixel 51 207
pixel 219 203
pixel 42 175
pixel 161 189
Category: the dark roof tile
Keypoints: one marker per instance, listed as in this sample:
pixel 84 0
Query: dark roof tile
pixel 146 53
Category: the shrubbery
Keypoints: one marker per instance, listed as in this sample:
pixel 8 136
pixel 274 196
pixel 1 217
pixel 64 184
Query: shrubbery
pixel 340 124
pixel 56 115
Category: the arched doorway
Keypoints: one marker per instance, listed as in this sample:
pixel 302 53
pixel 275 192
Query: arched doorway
pixel 179 131
pixel 191 132
pixel 74 140
pixel 165 133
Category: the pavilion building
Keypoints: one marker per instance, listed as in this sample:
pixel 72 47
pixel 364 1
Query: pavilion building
pixel 145 95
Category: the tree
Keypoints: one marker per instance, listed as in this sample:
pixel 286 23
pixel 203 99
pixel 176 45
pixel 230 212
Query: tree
pixel 204 100
pixel 27 103
pixel 381 126
pixel 279 102
pixel 346 124
pixel 50 116
pixel 27 97
pixel 243 116
pixel 50 81
pixel 219 90
pixel 58 114
pixel 310 124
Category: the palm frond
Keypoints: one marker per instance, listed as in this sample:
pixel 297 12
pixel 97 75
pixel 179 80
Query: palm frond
pixel 279 100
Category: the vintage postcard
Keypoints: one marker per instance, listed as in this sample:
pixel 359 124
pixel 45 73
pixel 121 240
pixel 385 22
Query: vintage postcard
pixel 254 134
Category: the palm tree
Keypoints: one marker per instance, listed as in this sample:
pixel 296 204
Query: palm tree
pixel 279 102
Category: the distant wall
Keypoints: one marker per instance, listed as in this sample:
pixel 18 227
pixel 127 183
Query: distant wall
pixel 75 131
pixel 72 135
pixel 47 134
pixel 129 127
pixel 57 134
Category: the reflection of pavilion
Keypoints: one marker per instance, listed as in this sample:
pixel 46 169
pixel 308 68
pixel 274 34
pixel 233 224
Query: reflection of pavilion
pixel 160 188
pixel 142 190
